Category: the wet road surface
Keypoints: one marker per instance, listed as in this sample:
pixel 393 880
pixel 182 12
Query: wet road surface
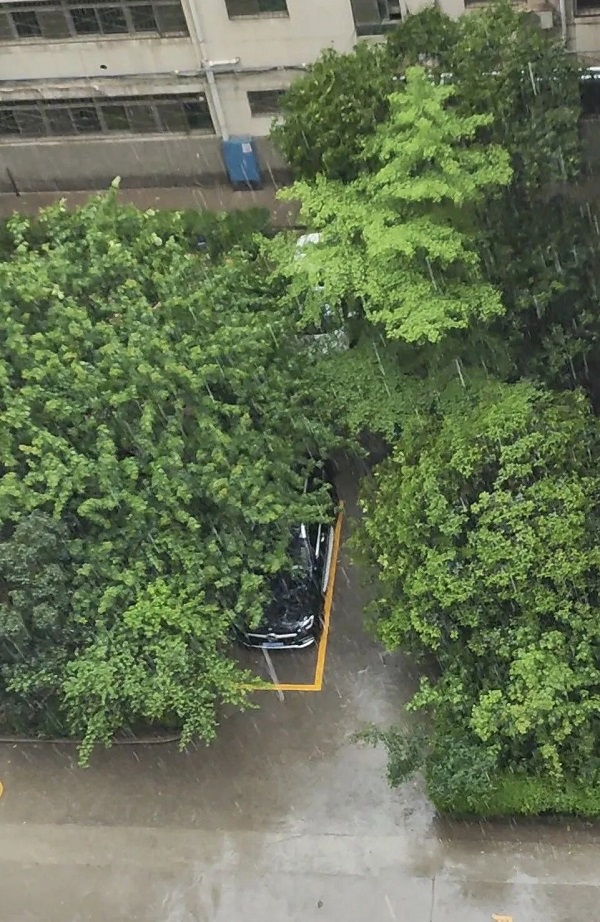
pixel 282 819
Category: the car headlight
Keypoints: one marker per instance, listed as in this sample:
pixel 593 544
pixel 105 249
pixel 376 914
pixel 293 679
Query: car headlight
pixel 307 623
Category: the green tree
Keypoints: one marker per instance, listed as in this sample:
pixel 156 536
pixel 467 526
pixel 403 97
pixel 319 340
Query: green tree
pixel 327 114
pixel 35 614
pixel 503 64
pixel 483 531
pixel 157 407
pixel 397 242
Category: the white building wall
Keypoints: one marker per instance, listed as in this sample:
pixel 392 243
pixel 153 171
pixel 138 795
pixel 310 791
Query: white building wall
pixel 114 56
pixel 276 39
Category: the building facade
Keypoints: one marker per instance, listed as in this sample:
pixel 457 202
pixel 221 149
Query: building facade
pixel 146 89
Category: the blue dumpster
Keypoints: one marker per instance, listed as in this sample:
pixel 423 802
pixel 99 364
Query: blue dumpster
pixel 241 162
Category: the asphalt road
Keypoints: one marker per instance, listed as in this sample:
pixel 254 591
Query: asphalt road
pixel 283 819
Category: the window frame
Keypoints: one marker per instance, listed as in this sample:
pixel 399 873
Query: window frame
pixel 266 113
pixel 385 15
pixel 258 12
pixel 45 109
pixel 588 11
pixel 67 7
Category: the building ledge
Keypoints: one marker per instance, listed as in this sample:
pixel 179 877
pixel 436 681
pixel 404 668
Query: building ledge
pixel 46 43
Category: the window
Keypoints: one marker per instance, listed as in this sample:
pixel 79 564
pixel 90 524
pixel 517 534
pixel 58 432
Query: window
pixel 8 122
pixel 131 115
pixel 265 102
pixel 57 19
pixel 85 20
pixel 112 20
pixel 589 88
pixel 143 18
pixel 255 7
pixel 85 120
pixel 587 8
pixel 374 17
pixel 26 23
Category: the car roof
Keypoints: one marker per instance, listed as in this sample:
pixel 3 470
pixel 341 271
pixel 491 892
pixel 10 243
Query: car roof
pixel 308 238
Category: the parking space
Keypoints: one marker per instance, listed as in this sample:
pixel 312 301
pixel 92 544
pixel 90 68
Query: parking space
pixel 283 817
pixel 299 670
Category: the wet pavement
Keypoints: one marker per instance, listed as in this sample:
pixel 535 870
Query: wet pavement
pixel 283 818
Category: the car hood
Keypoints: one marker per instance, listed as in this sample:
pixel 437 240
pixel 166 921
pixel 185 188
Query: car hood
pixel 292 601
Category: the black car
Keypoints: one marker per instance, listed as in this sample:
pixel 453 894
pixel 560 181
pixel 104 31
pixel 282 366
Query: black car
pixel 294 617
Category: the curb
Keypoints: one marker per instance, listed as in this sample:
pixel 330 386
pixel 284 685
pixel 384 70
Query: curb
pixel 35 741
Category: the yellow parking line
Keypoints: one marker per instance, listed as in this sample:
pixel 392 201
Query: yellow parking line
pixel 320 670
pixel 317 684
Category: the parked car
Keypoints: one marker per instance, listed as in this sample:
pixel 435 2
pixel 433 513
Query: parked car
pixel 293 618
pixel 329 334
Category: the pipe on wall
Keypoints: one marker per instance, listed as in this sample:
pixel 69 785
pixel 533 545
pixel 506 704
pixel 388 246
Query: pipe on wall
pixel 198 41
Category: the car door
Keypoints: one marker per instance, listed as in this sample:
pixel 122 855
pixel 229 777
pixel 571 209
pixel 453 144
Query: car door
pixel 321 539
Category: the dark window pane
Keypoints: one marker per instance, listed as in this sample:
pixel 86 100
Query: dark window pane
pixel 590 96
pixel 85 21
pixel 172 117
pixel 116 118
pixel 141 118
pixel 170 18
pixel 5 28
pixel 8 122
pixel 60 121
pixel 26 24
pixel 112 19
pixel 242 7
pixel 197 115
pixel 143 18
pixel 272 6
pixel 30 122
pixel 253 7
pixel 587 7
pixel 85 119
pixel 53 23
pixel 368 12
pixel 265 102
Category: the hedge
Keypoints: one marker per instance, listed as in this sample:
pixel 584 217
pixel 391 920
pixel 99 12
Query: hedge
pixel 521 795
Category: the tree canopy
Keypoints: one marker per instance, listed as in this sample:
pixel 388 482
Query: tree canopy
pixel 525 281
pixel 453 236
pixel 156 419
pixel 326 116
pixel 396 239
pixel 483 528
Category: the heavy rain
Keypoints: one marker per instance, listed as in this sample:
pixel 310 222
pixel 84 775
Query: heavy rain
pixel 298 611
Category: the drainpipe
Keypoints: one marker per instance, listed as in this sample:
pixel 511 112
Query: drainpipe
pixel 563 20
pixel 216 100
pixel 198 42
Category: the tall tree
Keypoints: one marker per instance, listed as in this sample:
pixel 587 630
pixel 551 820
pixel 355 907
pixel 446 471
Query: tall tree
pixel 327 114
pixel 483 530
pixel 397 242
pixel 157 409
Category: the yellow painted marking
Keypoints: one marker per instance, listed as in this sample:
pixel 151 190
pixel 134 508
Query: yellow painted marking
pixel 1 789
pixel 320 670
pixel 317 684
pixel 496 918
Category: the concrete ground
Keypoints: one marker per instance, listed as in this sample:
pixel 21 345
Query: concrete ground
pixel 283 819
